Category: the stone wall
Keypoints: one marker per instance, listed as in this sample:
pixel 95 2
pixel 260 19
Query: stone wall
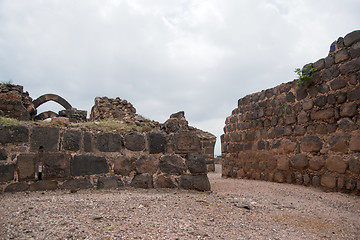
pixel 45 158
pixel 15 103
pixel 177 127
pixel 34 156
pixel 117 108
pixel 302 135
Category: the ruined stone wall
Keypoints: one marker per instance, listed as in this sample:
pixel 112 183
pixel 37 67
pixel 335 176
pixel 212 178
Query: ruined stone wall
pixel 74 158
pixel 117 108
pixel 302 135
pixel 15 103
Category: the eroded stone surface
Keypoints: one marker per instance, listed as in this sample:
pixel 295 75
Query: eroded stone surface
pixel 195 182
pixel 87 165
pixel 172 164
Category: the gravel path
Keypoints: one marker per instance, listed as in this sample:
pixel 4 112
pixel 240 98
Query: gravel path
pixel 235 209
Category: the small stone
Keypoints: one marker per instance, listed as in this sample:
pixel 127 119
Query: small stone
pixel 350 66
pixel 306 179
pixel 283 163
pixel 331 99
pixel 354 165
pixel 321 101
pixel 316 163
pixel 290 97
pixel 347 125
pixel 279 177
pixel 350 184
pixel 328 181
pixel 323 88
pixel 311 144
pixel 354 95
pixel 349 109
pixel 308 104
pixel 288 146
pixel 335 163
pixel 316 181
pixel 243 205
pixel 354 144
pixel 303 117
pixel 352 38
pixel 341 97
pixel 299 130
pixel 320 64
pixel 97 218
pixel 338 143
pixel 341 56
pixel 301 93
pixel 299 161
pixel 324 114
pixel 340 183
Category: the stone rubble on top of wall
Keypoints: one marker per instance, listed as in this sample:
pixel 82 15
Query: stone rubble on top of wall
pixel 304 135
pixel 15 103
pixel 119 110
pixel 177 127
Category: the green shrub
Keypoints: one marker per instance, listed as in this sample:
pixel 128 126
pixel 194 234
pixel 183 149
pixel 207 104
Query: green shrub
pixel 304 74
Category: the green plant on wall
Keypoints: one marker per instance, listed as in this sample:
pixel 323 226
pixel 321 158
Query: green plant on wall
pixel 6 82
pixel 304 75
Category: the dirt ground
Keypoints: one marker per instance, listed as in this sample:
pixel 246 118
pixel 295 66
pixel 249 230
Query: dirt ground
pixel 234 209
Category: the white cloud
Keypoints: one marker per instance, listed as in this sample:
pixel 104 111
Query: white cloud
pixel 199 56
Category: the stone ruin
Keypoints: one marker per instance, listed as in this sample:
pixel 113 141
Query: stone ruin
pixel 15 103
pixel 302 135
pixel 288 134
pixel 36 156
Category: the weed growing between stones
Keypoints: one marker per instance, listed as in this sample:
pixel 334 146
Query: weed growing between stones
pixel 304 75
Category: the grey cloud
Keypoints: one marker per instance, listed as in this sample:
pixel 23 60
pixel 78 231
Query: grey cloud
pixel 166 56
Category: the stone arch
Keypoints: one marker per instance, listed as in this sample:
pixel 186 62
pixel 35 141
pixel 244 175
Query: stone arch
pixel 51 97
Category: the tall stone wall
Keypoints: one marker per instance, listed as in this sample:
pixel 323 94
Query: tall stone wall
pixel 46 158
pixel 302 135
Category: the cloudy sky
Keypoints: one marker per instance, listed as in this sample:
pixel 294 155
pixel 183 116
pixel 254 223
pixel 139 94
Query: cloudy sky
pixel 164 56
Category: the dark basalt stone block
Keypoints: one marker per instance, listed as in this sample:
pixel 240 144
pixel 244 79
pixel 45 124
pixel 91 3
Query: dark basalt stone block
pixel 6 172
pixel 157 142
pixel 71 140
pixel 88 165
pixel 196 163
pixel 14 134
pixel 46 138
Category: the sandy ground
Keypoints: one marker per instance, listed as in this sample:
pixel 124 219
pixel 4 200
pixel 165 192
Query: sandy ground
pixel 235 209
